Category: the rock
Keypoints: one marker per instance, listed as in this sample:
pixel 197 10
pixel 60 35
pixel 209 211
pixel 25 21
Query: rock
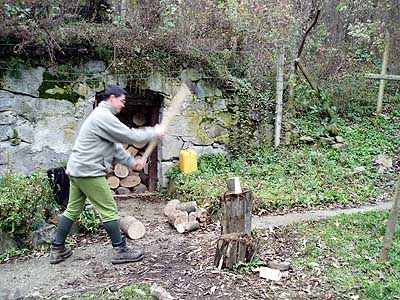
pixel 94 66
pixel 6 294
pixel 339 139
pixel 381 170
pixel 27 81
pixel 281 266
pixel 160 293
pixel 326 140
pixel 359 170
pixel 43 235
pixel 333 130
pixel 307 139
pixel 171 145
pixel 203 90
pixel 6 243
pixel 190 74
pixel 384 161
pixel 3 156
pixel 339 146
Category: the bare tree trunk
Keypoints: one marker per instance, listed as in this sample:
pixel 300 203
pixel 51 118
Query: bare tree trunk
pixel 391 224
pixel 279 96
pixel 383 72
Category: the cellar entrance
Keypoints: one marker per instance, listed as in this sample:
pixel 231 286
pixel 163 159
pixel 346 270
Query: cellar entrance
pixel 142 108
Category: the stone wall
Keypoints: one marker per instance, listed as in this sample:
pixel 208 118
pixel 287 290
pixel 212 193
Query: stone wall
pixel 39 132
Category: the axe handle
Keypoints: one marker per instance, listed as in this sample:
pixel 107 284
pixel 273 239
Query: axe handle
pixel 171 112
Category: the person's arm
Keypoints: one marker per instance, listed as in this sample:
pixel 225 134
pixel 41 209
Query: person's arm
pixel 123 157
pixel 113 130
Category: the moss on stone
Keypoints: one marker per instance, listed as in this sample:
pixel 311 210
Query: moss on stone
pixel 59 89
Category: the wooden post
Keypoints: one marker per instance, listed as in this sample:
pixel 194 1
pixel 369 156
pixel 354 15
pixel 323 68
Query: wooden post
pixel 236 210
pixel 279 96
pixel 383 72
pixel 391 224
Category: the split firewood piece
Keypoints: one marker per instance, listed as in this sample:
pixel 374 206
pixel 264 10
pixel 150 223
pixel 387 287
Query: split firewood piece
pixel 125 146
pixel 187 206
pixel 171 206
pixel 233 185
pixel 130 181
pixel 139 119
pixel 187 226
pixel 139 145
pixel 132 151
pixel 121 171
pixel 200 215
pixel 113 182
pixel 146 169
pixel 122 191
pixel 132 227
pixel 177 217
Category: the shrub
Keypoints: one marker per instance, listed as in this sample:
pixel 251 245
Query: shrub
pixel 24 202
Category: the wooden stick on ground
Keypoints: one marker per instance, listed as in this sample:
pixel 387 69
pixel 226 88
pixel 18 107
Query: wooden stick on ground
pixel 391 224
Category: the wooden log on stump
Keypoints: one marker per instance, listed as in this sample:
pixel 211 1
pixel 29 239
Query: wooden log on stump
pixel 187 226
pixel 130 181
pixel 234 248
pixel 113 182
pixel 236 210
pixel 121 171
pixel 132 227
pixel 187 206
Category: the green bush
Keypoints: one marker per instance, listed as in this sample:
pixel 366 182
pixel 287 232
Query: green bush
pixel 24 202
pixel 89 219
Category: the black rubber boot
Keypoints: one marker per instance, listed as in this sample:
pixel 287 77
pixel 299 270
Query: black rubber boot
pixel 123 254
pixel 59 253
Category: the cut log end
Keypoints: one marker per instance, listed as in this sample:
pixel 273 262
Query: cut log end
pixel 132 227
pixel 187 226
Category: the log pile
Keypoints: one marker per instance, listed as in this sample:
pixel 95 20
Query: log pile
pixel 121 179
pixel 185 216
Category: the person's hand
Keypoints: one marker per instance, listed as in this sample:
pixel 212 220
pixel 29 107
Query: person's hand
pixel 159 131
pixel 138 164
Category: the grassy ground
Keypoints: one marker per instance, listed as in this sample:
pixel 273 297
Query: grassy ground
pixel 345 252
pixel 304 175
pixel 133 291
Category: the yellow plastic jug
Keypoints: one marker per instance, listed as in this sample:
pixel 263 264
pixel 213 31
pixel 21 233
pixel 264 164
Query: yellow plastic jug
pixel 188 161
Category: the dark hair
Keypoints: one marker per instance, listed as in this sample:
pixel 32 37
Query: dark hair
pixel 113 90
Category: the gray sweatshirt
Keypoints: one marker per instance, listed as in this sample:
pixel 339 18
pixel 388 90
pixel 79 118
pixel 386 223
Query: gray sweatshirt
pixel 99 141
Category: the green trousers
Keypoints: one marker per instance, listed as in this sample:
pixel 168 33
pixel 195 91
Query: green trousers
pixel 96 189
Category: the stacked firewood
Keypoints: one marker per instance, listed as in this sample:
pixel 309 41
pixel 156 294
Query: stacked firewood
pixel 185 216
pixel 121 179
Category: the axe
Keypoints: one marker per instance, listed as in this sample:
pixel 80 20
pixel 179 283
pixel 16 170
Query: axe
pixel 173 109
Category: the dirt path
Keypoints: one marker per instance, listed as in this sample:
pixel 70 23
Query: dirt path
pixel 183 264
pixel 291 218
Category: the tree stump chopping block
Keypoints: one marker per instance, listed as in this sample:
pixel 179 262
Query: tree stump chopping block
pixel 234 248
pixel 132 227
pixel 236 210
